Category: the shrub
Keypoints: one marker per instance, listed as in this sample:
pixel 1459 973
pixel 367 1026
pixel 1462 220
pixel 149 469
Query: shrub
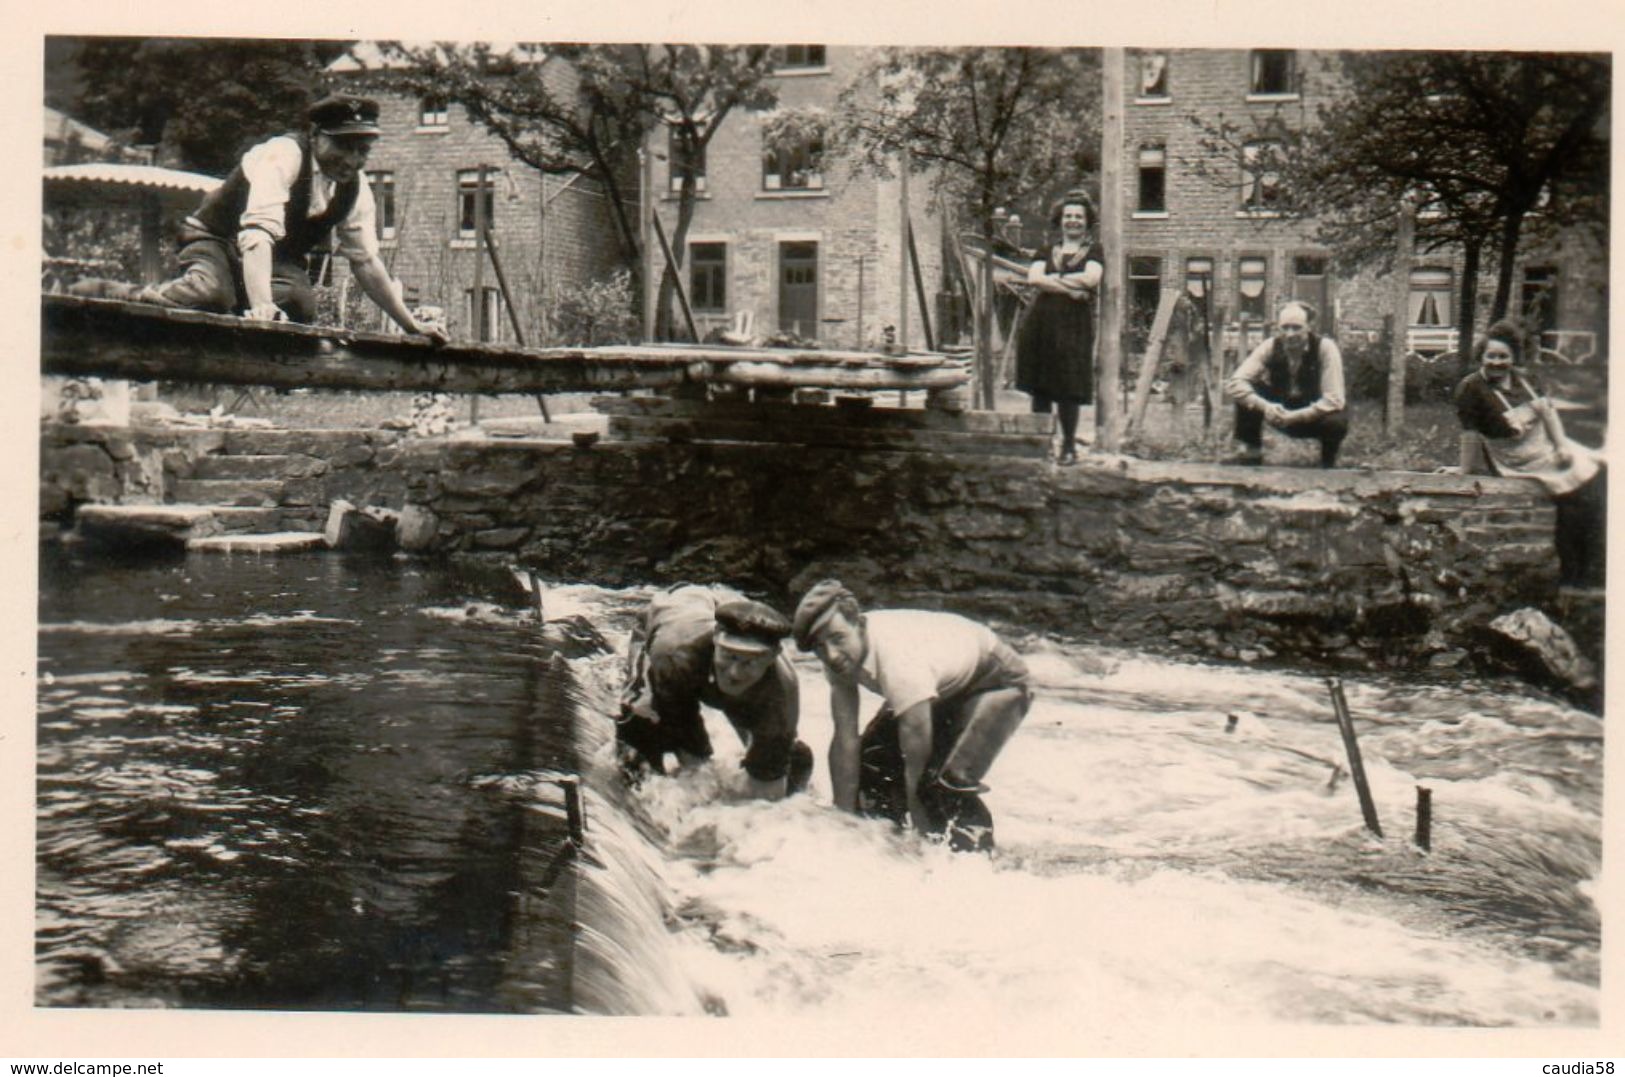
pixel 596 312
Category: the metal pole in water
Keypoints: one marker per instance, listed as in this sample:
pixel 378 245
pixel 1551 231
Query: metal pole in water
pixel 1424 818
pixel 575 816
pixel 1345 724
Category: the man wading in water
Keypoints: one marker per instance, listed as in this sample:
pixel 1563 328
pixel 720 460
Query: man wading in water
pixel 243 250
pixel 954 693
pixel 710 645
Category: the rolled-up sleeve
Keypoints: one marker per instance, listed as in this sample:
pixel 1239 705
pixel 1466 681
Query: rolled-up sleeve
pixel 358 232
pixel 271 169
pixel 1332 397
pixel 1243 384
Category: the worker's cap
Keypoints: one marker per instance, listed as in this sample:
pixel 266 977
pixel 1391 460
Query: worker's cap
pixel 345 114
pixel 816 608
pixel 746 627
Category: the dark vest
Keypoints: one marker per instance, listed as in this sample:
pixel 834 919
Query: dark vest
pixel 222 209
pixel 1278 371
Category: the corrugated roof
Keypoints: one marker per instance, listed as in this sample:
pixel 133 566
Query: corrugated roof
pixel 145 177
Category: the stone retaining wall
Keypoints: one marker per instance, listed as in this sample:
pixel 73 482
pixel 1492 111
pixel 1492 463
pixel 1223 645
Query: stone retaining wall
pixel 1372 569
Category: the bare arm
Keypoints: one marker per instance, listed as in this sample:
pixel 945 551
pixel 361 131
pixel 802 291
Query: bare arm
pixel 257 281
pixel 380 288
pixel 914 735
pixel 843 746
pixel 1240 386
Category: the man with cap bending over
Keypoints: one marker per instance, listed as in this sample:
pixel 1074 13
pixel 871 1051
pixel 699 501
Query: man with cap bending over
pixel 710 645
pixel 243 250
pixel 954 693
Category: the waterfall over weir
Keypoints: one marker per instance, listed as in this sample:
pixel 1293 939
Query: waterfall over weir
pixel 316 784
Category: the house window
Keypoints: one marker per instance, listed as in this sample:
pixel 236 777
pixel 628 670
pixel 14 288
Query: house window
pixel 1273 72
pixel 708 276
pixel 1429 301
pixel 1539 304
pixel 468 187
pixel 485 323
pixel 1199 277
pixel 1260 182
pixel 802 56
pixel 683 164
pixel 794 168
pixel 1153 179
pixel 1252 278
pixel 432 112
pixel 1309 286
pixel 1144 292
pixel 1153 76
pixel 383 197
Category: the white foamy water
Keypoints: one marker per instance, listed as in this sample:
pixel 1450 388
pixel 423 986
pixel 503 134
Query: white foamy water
pixel 1150 862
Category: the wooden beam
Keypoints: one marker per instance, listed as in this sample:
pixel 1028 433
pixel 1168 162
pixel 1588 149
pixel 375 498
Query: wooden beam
pixel 769 375
pixel 94 337
pixel 1152 359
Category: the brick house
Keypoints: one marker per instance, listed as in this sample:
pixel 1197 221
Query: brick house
pixel 1182 229
pixel 550 230
pixel 800 244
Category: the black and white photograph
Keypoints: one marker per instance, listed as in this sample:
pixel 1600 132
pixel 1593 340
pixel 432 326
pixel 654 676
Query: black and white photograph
pixel 950 540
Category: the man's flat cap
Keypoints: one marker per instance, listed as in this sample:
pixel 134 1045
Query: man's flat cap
pixel 815 608
pixel 748 626
pixel 345 114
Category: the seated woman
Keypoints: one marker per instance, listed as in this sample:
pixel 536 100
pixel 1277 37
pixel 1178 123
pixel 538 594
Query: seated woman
pixel 1509 427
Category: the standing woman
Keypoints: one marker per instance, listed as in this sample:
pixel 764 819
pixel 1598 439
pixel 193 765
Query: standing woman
pixel 1509 427
pixel 1055 352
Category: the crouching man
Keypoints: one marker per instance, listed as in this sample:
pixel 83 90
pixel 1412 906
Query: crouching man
pixel 954 693
pixel 711 646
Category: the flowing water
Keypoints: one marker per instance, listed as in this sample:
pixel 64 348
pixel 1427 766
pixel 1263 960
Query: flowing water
pixel 318 783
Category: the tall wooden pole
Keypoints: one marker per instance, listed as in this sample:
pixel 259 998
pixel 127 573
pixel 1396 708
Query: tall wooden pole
pixel 1108 405
pixel 482 331
pixel 1394 415
pixel 645 208
pixel 905 159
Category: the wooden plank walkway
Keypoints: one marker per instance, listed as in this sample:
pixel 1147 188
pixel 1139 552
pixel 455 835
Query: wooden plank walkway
pixel 105 338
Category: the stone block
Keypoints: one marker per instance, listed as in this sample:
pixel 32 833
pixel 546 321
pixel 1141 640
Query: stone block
pixel 270 543
pixel 145 525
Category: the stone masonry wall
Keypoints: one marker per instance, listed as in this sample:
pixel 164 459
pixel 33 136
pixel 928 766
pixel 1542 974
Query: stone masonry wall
pixel 1368 569
pixel 1372 569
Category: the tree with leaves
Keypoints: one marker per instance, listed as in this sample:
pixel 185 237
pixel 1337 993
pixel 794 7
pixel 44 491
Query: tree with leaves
pixel 992 126
pixel 201 101
pixel 1487 149
pixel 587 108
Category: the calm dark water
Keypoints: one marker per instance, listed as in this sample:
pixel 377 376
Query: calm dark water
pixel 297 782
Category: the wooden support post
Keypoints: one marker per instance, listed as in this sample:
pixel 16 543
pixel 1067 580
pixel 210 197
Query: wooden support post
pixel 676 278
pixel 482 331
pixel 1152 359
pixel 905 162
pixel 1108 426
pixel 858 344
pixel 1424 818
pixel 919 289
pixel 1351 744
pixel 1394 413
pixel 513 313
pixel 575 814
pixel 645 213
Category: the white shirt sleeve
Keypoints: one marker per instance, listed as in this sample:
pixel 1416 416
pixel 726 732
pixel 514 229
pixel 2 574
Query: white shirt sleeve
pixel 271 169
pixel 1242 386
pixel 358 233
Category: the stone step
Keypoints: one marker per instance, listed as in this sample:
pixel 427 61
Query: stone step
pixel 242 520
pixel 233 466
pixel 145 525
pixel 269 543
pixel 250 492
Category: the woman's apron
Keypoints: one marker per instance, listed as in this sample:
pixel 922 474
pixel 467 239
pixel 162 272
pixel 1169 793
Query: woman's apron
pixel 1534 455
